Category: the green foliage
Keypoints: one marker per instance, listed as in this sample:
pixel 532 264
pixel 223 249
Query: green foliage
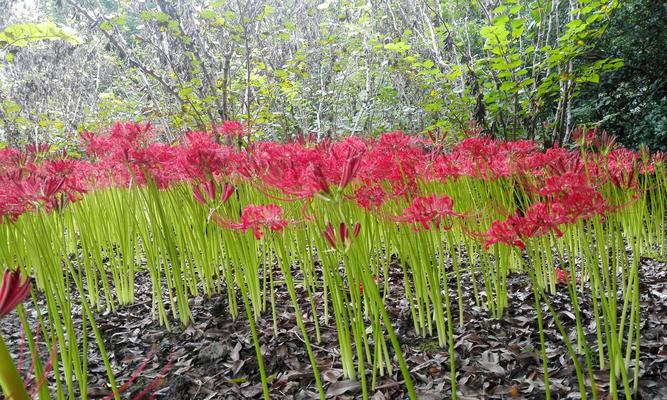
pixel 631 102
pixel 514 69
pixel 532 68
pixel 20 35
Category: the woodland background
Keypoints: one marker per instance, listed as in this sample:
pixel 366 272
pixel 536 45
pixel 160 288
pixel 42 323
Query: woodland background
pixel 512 69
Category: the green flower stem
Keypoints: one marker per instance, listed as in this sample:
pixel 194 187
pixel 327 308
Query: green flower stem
pixel 10 380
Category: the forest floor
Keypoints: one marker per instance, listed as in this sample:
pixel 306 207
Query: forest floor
pixel 214 357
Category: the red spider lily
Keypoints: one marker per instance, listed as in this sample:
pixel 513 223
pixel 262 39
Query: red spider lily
pixel 583 204
pixel 209 188
pixel 398 159
pixel 329 234
pixel 625 181
pixel 290 168
pixel 350 168
pixel 318 179
pixel 562 276
pixel 38 149
pixel 593 138
pixel 12 291
pixel 132 132
pixel 369 196
pixel 559 161
pixel 197 194
pixel 227 192
pixel 257 218
pixel 425 210
pixel 568 182
pixel 231 129
pixel 586 137
pixel 39 190
pixel 356 230
pixel 540 219
pixel 390 166
pixel 659 158
pixel 622 169
pixel 202 158
pixel 506 232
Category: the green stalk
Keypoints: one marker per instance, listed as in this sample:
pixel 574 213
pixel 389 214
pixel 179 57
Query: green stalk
pixel 287 273
pixel 543 353
pixel 10 380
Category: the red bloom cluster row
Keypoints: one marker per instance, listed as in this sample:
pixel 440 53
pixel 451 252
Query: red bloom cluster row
pixel 565 183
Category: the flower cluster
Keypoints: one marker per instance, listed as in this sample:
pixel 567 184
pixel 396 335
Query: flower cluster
pixel 258 218
pixel 568 184
pixel 426 210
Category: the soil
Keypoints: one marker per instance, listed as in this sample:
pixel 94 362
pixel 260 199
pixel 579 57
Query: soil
pixel 214 357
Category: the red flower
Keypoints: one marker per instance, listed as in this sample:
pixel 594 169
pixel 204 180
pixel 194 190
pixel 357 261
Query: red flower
pixel 562 276
pixel 369 196
pixel 257 218
pixel 231 129
pixel 329 234
pixel 540 219
pixel 227 192
pixel 506 232
pixel 350 168
pixel 425 210
pixel 319 181
pixel 208 189
pixel 38 149
pixel 12 291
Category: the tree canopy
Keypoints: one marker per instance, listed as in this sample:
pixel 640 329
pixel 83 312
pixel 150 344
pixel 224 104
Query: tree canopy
pixel 512 69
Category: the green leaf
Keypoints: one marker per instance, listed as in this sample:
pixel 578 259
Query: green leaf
pixel 20 35
pixel 398 47
pixel 146 16
pixel 526 82
pixel 506 86
pixel 501 21
pixel 106 26
pixel 185 92
pixel 10 107
pixel 161 17
pixel 268 10
pixel 209 14
pixel 120 21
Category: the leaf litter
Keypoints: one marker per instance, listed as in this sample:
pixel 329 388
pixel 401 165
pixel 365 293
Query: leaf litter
pixel 214 358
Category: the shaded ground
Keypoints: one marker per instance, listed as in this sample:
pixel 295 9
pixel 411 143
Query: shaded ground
pixel 214 358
